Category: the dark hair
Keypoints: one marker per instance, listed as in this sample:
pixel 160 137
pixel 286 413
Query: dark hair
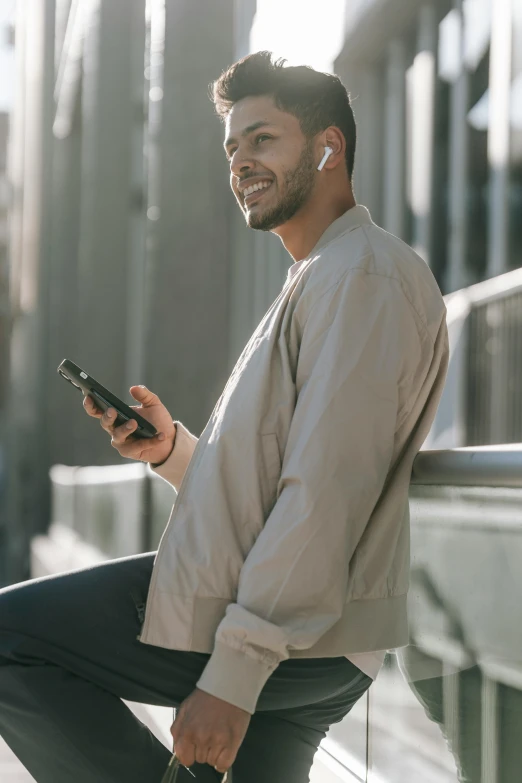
pixel 317 99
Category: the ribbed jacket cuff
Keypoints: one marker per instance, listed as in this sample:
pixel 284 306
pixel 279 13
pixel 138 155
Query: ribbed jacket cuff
pixel 235 677
pixel 175 466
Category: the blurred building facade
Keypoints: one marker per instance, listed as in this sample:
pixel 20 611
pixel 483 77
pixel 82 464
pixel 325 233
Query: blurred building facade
pixel 119 228
pixel 437 87
pixel 128 253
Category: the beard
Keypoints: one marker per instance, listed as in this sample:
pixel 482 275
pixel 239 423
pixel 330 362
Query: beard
pixel 297 187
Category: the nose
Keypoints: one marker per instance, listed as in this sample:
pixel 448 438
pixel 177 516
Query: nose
pixel 239 164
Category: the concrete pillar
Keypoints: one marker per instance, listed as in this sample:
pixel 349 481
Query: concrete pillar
pixel 63 9
pixel 244 13
pixel 500 59
pixel 189 267
pixel 366 91
pixel 136 313
pixel 456 276
pixel 490 735
pixel 498 223
pixel 103 302
pixel 423 119
pixel 63 406
pixel 65 196
pixel 28 434
pixel 395 139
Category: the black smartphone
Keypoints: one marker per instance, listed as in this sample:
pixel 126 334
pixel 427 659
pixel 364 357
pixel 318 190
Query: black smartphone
pixel 104 399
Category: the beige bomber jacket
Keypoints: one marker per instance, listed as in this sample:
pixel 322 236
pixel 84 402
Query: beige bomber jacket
pixel 289 536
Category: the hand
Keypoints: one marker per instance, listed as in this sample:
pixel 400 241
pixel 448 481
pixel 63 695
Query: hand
pixel 208 730
pixel 155 449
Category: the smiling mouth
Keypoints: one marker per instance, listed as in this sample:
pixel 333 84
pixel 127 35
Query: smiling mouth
pixel 257 194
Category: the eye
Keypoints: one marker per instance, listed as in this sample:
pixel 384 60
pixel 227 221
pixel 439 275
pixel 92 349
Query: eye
pixel 231 150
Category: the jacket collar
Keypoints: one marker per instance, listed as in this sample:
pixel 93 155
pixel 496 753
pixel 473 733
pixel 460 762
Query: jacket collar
pixel 356 216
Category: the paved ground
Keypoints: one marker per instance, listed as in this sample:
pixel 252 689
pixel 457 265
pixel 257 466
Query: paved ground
pixel 11 771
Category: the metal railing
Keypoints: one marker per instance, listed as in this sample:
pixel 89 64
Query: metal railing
pixel 123 509
pixel 473 466
pixel 484 386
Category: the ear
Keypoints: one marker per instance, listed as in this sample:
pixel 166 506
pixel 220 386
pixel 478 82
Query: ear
pixel 334 139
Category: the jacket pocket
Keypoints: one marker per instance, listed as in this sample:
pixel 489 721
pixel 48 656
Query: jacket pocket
pixel 272 469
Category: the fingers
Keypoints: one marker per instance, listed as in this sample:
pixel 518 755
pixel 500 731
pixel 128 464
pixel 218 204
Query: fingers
pixel 186 752
pixel 136 448
pixel 108 419
pixel 142 449
pixel 122 436
pixel 224 761
pixel 144 395
pixel 90 408
pixel 219 759
pixel 121 433
pixel 201 753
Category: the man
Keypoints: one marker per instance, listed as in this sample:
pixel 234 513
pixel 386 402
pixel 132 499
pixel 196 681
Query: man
pixel 282 575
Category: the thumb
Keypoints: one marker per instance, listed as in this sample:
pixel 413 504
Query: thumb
pixel 144 395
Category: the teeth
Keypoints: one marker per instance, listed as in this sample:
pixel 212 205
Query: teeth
pixel 253 188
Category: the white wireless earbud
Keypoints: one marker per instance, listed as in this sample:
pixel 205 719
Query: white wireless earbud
pixel 327 152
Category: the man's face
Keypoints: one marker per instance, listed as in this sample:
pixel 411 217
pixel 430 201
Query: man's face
pixel 266 148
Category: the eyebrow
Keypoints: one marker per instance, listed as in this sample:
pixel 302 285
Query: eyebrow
pixel 249 129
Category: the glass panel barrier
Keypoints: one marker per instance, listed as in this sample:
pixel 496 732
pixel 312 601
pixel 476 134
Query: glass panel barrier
pixel 346 742
pixel 448 707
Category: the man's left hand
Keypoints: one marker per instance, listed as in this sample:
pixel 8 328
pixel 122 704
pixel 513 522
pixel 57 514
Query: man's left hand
pixel 208 730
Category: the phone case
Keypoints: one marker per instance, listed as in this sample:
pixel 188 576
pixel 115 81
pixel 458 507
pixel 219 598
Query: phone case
pixel 104 398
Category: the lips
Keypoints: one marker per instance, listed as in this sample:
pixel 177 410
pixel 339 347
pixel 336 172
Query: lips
pixel 256 195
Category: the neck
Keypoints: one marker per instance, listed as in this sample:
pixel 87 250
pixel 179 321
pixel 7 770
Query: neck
pixel 300 234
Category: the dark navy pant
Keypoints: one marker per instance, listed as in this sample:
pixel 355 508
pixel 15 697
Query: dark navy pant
pixel 69 654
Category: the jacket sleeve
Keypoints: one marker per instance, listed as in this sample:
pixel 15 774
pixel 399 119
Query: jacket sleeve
pixel 175 466
pixel 359 343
